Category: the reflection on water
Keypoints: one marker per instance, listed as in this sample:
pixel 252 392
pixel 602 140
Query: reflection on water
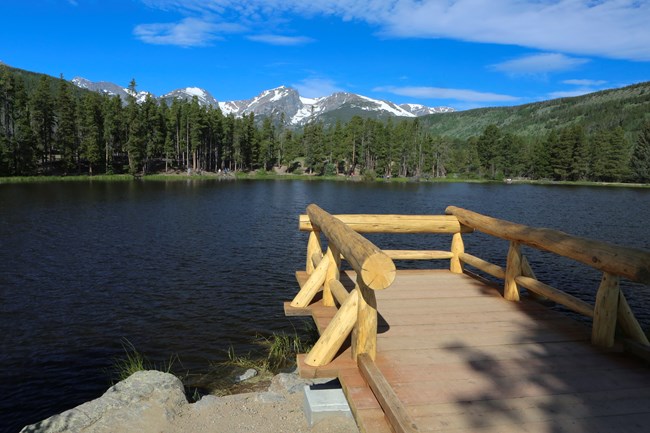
pixel 190 268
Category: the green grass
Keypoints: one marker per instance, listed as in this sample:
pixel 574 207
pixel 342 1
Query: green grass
pixel 79 178
pixel 134 361
pixel 267 175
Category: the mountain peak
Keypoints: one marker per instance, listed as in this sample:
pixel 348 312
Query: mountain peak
pixel 282 100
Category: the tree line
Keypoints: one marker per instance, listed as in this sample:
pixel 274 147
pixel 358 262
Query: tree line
pixel 53 128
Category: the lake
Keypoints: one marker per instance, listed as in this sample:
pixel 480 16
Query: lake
pixel 190 268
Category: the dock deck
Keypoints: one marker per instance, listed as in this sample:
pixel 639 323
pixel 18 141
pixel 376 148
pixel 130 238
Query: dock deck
pixel 459 357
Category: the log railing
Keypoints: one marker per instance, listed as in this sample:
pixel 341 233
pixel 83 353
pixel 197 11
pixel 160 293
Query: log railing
pixel 374 268
pixel 611 308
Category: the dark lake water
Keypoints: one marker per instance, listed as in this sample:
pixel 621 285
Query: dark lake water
pixel 190 268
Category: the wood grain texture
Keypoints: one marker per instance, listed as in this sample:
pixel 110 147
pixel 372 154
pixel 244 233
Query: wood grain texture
pixel 457 249
pixel 605 311
pixel 394 223
pixel 480 264
pixel 312 285
pixel 374 267
pixel 459 357
pixel 631 263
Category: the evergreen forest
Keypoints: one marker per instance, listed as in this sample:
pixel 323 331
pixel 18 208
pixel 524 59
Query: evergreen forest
pixel 48 126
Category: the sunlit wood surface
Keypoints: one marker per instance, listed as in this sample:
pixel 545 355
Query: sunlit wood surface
pixel 461 358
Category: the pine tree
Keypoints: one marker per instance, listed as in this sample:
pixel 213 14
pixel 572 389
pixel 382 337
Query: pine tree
pixel 113 130
pixel 488 147
pixel 136 141
pixel 91 123
pixel 576 139
pixel 640 162
pixel 7 115
pixel 560 150
pixel 23 148
pixel 66 130
pixel 267 145
pixel 42 110
pixel 541 167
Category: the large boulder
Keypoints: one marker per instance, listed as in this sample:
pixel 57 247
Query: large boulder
pixel 145 402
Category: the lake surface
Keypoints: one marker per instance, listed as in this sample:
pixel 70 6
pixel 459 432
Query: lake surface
pixel 191 268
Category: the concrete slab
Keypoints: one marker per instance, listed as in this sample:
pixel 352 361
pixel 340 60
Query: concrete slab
pixel 325 400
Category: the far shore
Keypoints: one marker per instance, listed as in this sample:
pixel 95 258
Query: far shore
pixel 183 176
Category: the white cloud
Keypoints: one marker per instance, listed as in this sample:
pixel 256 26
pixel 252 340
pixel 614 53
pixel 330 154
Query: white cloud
pixel 446 93
pixel 281 39
pixel 189 32
pixel 585 82
pixel 608 28
pixel 584 86
pixel 539 64
pixel 316 87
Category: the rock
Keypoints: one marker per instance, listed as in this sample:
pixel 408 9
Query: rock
pixel 248 374
pixel 269 397
pixel 144 402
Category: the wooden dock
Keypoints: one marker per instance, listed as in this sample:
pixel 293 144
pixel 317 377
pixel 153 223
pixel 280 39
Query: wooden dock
pixel 453 354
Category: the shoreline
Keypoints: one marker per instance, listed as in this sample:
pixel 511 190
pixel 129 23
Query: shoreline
pixel 151 401
pixel 209 176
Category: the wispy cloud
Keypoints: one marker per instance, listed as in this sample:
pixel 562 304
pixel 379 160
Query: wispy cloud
pixel 316 87
pixel 584 86
pixel 613 28
pixel 281 39
pixel 539 64
pixel 446 93
pixel 189 32
pixel 585 82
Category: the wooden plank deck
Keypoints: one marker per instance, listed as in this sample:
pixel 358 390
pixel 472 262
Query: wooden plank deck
pixel 460 358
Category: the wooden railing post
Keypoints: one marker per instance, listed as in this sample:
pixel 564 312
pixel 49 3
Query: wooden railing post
pixel 364 335
pixel 628 322
pixel 333 273
pixel 457 249
pixel 312 285
pixel 605 311
pixel 513 270
pixel 336 332
pixel 313 246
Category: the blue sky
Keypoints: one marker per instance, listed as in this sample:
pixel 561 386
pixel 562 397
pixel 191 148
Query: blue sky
pixel 459 53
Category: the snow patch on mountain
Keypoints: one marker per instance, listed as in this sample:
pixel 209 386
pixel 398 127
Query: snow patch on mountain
pixel 423 110
pixel 281 102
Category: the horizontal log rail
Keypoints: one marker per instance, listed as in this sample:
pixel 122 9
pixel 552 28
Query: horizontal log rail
pixel 375 270
pixel 611 308
pixel 631 263
pixel 373 223
pixel 487 267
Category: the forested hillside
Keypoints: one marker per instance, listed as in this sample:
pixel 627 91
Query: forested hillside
pixel 49 126
pixel 625 107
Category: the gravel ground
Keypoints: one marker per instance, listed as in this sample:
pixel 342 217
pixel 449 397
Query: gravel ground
pixel 278 410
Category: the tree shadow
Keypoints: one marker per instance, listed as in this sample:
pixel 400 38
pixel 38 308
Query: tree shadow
pixel 548 378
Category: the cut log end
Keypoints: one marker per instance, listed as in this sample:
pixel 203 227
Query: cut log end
pixel 378 271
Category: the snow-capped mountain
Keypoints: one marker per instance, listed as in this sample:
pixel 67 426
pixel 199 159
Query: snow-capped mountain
pixel 423 110
pixel 109 89
pixel 283 103
pixel 299 110
pixel 186 94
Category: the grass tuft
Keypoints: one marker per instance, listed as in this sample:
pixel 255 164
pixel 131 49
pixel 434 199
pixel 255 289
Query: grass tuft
pixel 134 361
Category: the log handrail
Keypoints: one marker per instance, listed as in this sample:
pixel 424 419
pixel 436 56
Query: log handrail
pixel 375 268
pixel 614 261
pixel 631 263
pixel 385 223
